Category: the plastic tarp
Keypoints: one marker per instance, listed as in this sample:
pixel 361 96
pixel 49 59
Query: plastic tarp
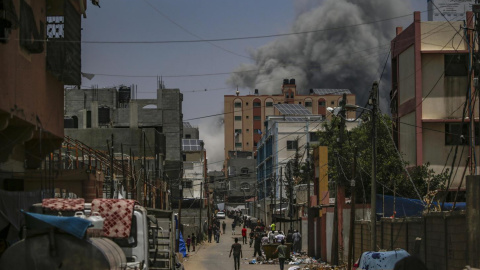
pixel 182 248
pixel 71 225
pixel 386 260
pixel 405 207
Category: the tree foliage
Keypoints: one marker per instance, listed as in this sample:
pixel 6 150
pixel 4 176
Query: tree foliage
pixel 391 175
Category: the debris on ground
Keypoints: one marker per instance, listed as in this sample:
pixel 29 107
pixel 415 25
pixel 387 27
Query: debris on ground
pixel 299 261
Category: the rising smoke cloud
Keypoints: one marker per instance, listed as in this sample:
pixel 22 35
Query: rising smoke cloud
pixel 211 130
pixel 342 57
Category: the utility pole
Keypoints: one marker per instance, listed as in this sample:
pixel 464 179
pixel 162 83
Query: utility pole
pixel 351 240
pixel 338 183
pixel 144 170
pixel 373 199
pixel 281 195
pixel 112 184
pixel 310 229
pixel 123 170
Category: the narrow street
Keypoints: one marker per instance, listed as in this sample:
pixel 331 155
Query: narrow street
pixel 212 256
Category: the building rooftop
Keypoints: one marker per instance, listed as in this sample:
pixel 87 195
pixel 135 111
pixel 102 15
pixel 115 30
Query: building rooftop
pixel 292 109
pixel 324 92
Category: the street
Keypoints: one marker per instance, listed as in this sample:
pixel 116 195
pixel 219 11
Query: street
pixel 211 256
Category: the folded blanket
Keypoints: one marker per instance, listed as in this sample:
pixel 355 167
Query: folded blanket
pixel 118 215
pixel 57 204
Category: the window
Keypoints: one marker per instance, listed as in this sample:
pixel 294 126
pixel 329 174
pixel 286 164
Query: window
pixel 308 104
pixel 255 144
pixel 456 65
pixel 456 134
pixel 248 130
pixel 246 103
pixel 238 144
pixel 257 104
pixel 292 145
pixel 244 170
pixel 247 116
pixel 257 131
pixel 238 118
pixel 238 105
pixel 321 103
pixel 314 137
pixel 187 184
pixel 300 102
pixel 188 136
pixel 269 104
pixel 332 102
pixel 257 118
pixel 245 187
pixel 238 131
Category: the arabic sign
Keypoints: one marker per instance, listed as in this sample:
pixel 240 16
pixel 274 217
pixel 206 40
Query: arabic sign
pixel 451 10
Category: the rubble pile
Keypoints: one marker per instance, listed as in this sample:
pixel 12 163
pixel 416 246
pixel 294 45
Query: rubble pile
pixel 298 261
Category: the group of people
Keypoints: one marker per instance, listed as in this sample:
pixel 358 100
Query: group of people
pixel 215 230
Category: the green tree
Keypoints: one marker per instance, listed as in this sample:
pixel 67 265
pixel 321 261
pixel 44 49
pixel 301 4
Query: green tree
pixel 391 175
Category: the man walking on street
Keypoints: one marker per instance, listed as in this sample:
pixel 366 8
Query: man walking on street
pixel 237 254
pixel 256 246
pixel 224 226
pixel 194 241
pixel 297 240
pixel 244 235
pixel 282 254
pixel 210 232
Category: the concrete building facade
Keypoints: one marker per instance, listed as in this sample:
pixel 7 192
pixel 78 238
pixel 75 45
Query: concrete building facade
pixel 430 82
pixel 241 176
pixel 150 128
pixel 245 115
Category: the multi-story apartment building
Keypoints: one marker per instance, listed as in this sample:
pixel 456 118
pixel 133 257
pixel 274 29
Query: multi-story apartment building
pixel 245 115
pixel 194 169
pixel 241 176
pixel 33 73
pixel 430 85
pixel 150 128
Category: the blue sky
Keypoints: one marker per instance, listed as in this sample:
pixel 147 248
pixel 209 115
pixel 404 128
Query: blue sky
pixel 155 20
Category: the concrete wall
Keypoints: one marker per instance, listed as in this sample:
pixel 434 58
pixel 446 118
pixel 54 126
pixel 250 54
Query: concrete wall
pixel 407 138
pixel 444 238
pixel 406 75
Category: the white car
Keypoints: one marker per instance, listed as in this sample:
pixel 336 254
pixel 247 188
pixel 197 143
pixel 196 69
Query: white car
pixel 221 215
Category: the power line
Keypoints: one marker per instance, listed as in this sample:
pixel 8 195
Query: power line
pixel 230 38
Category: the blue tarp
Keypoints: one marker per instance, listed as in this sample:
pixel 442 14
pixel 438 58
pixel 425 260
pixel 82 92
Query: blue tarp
pixel 405 207
pixel 181 246
pixel 71 225
pixel 386 260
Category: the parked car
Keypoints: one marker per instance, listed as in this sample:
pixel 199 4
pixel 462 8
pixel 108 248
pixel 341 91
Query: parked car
pixel 220 215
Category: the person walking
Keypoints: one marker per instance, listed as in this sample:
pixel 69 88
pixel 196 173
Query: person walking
pixel 217 235
pixel 252 237
pixel 188 243
pixel 210 232
pixel 224 226
pixel 282 253
pixel 256 246
pixel 194 241
pixel 233 227
pixel 273 227
pixel 297 240
pixel 237 254
pixel 215 230
pixel 244 235
pixel 280 237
